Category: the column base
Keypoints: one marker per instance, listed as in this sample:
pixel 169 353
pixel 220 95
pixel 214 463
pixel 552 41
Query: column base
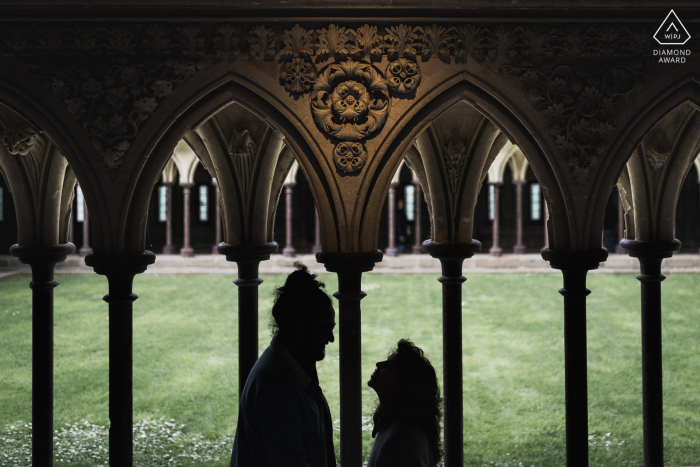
pixel 84 251
pixel 289 251
pixel 519 249
pixel 169 249
pixel 215 249
pixel 187 252
pixel 392 251
pixel 417 249
pixel 316 249
pixel 495 251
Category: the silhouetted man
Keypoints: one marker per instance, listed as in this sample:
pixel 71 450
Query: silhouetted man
pixel 283 416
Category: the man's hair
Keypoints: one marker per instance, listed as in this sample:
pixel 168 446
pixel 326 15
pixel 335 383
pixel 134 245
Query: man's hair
pixel 300 300
pixel 417 400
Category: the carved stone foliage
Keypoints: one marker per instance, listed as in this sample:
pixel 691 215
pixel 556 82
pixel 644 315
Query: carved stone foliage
pixel 454 154
pixel 658 148
pixel 403 76
pixel 112 76
pixel 349 157
pixel 243 152
pixel 19 139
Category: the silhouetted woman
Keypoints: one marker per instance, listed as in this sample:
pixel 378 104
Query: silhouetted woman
pixel 407 418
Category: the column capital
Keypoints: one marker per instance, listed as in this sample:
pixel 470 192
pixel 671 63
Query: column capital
pixel 496 183
pixel 40 254
pixel 349 262
pixel 290 184
pixel 247 253
pixel 519 182
pixel 124 263
pixel 651 249
pixel 451 250
pixel 569 260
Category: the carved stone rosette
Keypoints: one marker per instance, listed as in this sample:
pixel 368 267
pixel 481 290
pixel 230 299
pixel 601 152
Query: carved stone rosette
pixel 298 75
pixel 349 157
pixel 19 139
pixel 403 76
pixel 350 101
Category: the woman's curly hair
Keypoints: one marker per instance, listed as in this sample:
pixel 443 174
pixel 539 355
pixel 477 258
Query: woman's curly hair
pixel 300 299
pixel 417 400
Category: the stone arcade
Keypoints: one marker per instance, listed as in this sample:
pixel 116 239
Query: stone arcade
pixel 104 95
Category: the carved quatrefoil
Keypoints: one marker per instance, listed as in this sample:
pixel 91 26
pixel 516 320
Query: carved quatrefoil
pixel 350 100
pixel 297 75
pixel 403 76
pixel 349 157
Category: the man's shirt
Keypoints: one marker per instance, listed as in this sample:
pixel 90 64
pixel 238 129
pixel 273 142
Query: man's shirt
pixel 283 417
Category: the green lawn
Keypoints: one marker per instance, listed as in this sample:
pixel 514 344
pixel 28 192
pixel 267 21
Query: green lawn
pixel 185 363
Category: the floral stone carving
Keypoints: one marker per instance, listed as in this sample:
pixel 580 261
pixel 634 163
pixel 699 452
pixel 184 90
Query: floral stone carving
pixel 298 75
pixel 19 139
pixel 350 100
pixel 403 76
pixel 349 157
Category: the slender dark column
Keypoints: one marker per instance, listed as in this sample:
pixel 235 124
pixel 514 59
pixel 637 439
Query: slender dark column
pixel 42 260
pixel 186 249
pixel 85 249
pixel 495 249
pixel 248 258
pixel 574 266
pixel 620 225
pixel 546 221
pixel 120 270
pixel 650 255
pixel 217 217
pixel 519 247
pixel 452 256
pixel 391 250
pixel 350 268
pixel 168 249
pixel 317 233
pixel 417 245
pixel 289 191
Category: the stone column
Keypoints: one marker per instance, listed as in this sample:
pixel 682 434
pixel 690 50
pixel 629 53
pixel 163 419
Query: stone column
pixel 42 261
pixel 317 232
pixel 417 245
pixel 391 250
pixel 85 249
pixel 217 217
pixel 574 266
pixel 620 225
pixel 650 255
pixel 495 249
pixel 120 270
pixel 350 268
pixel 186 249
pixel 546 230
pixel 519 246
pixel 169 248
pixel 288 191
pixel 248 258
pixel 452 256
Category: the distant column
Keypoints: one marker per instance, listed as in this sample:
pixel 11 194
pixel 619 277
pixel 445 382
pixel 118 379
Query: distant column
pixel 289 191
pixel 391 249
pixel 495 249
pixel 620 226
pixel 317 232
pixel 217 216
pixel 186 249
pixel 417 244
pixel 519 247
pixel 546 219
pixel 168 249
pixel 85 249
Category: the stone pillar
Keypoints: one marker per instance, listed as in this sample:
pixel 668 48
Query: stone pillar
pixel 574 266
pixel 350 268
pixel 42 261
pixel 186 249
pixel 217 217
pixel 85 249
pixel 288 191
pixel 391 250
pixel 317 233
pixel 519 247
pixel 452 256
pixel 120 270
pixel 546 221
pixel 248 258
pixel 495 249
pixel 168 249
pixel 620 226
pixel 650 255
pixel 417 244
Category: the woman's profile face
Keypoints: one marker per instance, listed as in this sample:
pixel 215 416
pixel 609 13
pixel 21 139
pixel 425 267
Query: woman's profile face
pixel 385 378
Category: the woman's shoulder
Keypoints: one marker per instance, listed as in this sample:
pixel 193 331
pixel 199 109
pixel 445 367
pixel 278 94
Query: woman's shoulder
pixel 401 443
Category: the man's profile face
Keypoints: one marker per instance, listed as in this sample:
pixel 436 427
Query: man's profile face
pixel 320 334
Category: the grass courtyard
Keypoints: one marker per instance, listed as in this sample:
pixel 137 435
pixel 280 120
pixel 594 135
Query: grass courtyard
pixel 185 365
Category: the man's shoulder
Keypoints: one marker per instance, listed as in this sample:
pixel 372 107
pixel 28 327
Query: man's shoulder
pixel 269 372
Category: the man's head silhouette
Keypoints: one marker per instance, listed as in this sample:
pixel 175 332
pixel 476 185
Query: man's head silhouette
pixel 302 316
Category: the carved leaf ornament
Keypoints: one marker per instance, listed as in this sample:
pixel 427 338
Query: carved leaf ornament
pixel 349 157
pixel 19 139
pixel 403 76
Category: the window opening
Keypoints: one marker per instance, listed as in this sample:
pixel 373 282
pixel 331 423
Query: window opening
pixel 2 210
pixel 162 203
pixel 203 203
pixel 492 194
pixel 410 196
pixel 535 202
pixel 80 201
